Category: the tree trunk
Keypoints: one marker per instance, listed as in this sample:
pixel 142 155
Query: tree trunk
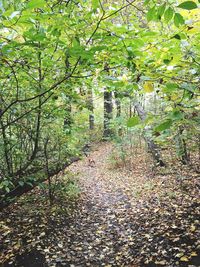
pixel 91 109
pixel 20 190
pixel 108 108
pixel 130 109
pixel 91 121
pixel 182 147
pixel 68 118
pixel 153 148
pixel 118 105
pixel 199 145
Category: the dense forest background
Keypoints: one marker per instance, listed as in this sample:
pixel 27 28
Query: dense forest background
pixel 75 73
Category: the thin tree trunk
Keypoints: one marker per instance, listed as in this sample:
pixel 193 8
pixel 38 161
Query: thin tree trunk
pixel 38 123
pixel 108 108
pixel 91 109
pixel 182 147
pixel 68 117
pixel 91 121
pixel 5 146
pixel 48 173
pixel 118 105
pixel 130 109
pixel 199 145
pixel 153 148
pixel 20 190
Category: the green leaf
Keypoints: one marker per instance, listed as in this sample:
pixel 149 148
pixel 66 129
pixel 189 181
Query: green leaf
pixel 166 61
pixel 21 183
pixel 151 14
pixel 177 36
pixel 133 121
pixel 161 10
pixel 163 126
pixel 171 86
pixel 178 20
pixel 29 183
pixel 146 2
pixel 36 4
pixel 135 86
pixel 95 4
pixel 177 115
pixel 7 189
pixel 189 5
pixel 6 183
pixel 168 14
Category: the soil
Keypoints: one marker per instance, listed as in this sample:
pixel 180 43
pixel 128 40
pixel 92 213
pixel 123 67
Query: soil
pixel 124 217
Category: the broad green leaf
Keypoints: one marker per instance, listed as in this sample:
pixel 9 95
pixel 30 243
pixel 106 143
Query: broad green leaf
pixel 168 14
pixel 178 19
pixel 166 61
pixel 98 48
pixel 161 10
pixel 151 14
pixel 148 87
pixel 6 183
pixel 163 126
pixel 177 115
pixel 177 36
pixel 7 189
pixel 189 5
pixel 95 4
pixel 21 183
pixel 133 121
pixel 148 33
pixel 171 86
pixel 8 12
pixel 135 86
pixel 146 2
pixel 36 4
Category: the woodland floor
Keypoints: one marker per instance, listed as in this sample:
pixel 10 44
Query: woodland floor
pixel 126 216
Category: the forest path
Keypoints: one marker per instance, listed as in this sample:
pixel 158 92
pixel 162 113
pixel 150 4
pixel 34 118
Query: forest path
pixel 105 227
pixel 123 218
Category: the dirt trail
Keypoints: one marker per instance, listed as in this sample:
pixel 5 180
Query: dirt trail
pixel 101 184
pixel 122 218
pixel 100 232
pixel 104 229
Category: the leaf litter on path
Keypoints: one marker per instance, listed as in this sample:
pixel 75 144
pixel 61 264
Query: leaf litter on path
pixel 123 218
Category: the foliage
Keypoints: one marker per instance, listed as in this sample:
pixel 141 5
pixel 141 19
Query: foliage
pixel 58 61
pixel 55 55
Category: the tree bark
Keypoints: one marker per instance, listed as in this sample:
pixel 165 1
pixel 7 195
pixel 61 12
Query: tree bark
pixel 91 109
pixel 182 147
pixel 91 121
pixel 118 105
pixel 154 149
pixel 108 108
pixel 68 117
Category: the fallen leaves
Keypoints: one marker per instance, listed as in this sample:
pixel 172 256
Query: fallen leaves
pixel 184 258
pixel 122 219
